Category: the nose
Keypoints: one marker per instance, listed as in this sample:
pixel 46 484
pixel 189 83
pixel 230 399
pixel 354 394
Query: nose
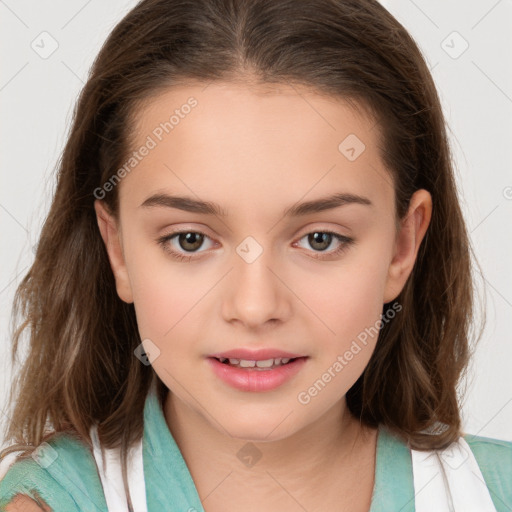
pixel 254 294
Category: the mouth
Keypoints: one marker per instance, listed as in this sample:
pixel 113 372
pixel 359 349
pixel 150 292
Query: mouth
pixel 256 375
pixel 258 365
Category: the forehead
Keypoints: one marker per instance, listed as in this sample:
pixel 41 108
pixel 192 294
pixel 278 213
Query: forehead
pixel 278 143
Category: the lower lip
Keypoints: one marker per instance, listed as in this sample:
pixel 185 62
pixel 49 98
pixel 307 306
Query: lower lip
pixel 251 379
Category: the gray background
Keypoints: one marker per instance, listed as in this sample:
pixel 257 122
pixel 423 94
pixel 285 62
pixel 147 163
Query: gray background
pixel 38 92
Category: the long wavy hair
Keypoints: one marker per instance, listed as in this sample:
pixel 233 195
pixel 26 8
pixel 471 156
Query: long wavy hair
pixel 81 367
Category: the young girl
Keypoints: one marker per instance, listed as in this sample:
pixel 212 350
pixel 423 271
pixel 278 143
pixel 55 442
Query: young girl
pixel 253 288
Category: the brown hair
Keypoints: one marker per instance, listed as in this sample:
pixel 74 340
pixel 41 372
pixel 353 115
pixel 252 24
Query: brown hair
pixel 81 367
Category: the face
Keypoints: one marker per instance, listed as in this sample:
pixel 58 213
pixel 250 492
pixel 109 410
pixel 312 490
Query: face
pixel 267 269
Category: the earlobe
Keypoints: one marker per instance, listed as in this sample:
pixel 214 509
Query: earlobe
pixel 412 231
pixel 112 239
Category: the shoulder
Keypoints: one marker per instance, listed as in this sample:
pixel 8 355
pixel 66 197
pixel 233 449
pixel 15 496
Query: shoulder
pixel 491 453
pixel 23 503
pixel 494 458
pixel 61 473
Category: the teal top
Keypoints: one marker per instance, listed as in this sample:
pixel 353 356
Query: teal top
pixel 71 483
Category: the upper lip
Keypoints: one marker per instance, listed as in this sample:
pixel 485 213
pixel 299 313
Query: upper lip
pixel 255 355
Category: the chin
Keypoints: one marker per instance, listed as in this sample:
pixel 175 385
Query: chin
pixel 259 428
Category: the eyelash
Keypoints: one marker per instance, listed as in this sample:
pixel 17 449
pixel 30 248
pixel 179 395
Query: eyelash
pixel 344 240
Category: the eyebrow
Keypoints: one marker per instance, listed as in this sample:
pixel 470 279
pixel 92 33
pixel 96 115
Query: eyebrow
pixel 189 204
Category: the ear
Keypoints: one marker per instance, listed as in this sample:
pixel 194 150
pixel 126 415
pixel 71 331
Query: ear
pixel 412 230
pixel 111 235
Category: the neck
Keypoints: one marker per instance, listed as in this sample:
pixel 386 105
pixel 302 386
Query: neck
pixel 335 444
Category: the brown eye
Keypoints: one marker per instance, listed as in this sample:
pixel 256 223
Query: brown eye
pixel 320 240
pixel 190 241
pixel 184 245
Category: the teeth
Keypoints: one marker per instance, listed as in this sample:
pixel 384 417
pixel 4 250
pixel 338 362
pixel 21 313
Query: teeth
pixel 267 363
pixel 246 363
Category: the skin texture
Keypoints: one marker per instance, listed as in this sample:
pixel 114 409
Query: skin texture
pixel 23 503
pixel 256 151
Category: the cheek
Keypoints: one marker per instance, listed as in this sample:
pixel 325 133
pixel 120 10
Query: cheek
pixel 168 312
pixel 163 303
pixel 349 304
pixel 162 292
pixel 346 299
pixel 349 300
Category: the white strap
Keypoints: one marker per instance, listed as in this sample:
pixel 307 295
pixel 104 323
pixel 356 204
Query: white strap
pixel 112 479
pixel 449 480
